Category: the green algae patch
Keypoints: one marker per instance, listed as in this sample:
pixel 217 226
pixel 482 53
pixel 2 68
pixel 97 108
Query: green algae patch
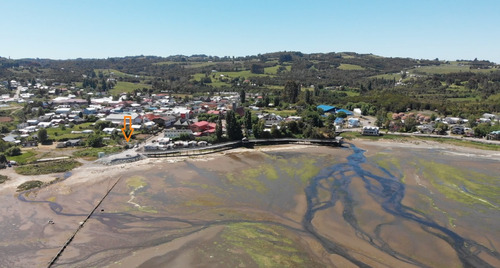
pixel 248 182
pixel 462 185
pixel 267 170
pixel 136 182
pixel 389 163
pixel 206 200
pixel 267 245
pixel 302 168
pixel 194 184
pixel 430 202
pixel 308 170
pixel 147 209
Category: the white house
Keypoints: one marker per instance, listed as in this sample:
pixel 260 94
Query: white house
pixel 164 141
pixel 63 110
pixel 32 122
pixel 109 130
pixel 175 133
pixel 370 131
pixel 44 124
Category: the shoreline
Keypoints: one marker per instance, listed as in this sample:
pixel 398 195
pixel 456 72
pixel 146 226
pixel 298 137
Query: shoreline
pixel 80 175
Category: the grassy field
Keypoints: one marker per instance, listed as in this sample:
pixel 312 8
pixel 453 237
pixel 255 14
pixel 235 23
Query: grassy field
pixel 187 64
pixel 396 76
pixel 127 87
pixel 27 156
pixel 48 167
pixel 350 93
pixel 91 153
pixel 276 87
pixel 350 67
pixel 495 97
pixel 117 73
pixel 274 70
pixel 453 67
pixel 66 133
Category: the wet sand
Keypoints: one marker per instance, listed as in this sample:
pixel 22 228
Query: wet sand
pixel 247 208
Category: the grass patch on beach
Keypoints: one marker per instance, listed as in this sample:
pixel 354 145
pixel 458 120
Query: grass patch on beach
pixel 91 153
pixel 48 167
pixel 3 179
pixel 29 185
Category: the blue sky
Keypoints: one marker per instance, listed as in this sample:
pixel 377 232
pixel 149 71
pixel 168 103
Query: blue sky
pixel 426 29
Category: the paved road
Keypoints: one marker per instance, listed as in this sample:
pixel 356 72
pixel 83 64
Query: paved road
pixel 18 92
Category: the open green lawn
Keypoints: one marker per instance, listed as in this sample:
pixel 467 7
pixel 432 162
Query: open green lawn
pixel 350 93
pixel 59 134
pixel 168 63
pixel 274 87
pixel 117 73
pixel 396 76
pixel 188 65
pixel 495 97
pixel 349 67
pixel 469 99
pixel 453 67
pixel 274 70
pixel 127 87
pixel 347 56
pixel 245 74
pixel 27 156
pixel 91 153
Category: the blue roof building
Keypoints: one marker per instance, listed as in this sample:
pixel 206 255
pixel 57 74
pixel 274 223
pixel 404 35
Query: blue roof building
pixel 326 108
pixel 347 112
pixel 339 121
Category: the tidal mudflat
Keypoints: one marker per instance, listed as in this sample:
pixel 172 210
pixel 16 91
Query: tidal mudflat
pixel 365 204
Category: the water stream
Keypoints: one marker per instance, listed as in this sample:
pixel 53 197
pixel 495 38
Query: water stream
pixel 389 194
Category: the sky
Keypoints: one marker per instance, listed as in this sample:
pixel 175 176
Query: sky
pixel 423 29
